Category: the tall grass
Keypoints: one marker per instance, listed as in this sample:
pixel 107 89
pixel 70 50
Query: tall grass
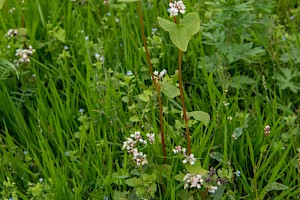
pixel 66 124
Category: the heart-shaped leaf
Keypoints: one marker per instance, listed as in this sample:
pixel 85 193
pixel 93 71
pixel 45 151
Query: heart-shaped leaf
pixel 169 89
pixel 181 34
pixel 200 116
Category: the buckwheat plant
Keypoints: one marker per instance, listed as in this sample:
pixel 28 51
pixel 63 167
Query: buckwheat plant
pixel 180 32
pixel 131 143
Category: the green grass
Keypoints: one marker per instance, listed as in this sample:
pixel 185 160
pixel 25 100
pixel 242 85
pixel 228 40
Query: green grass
pixel 79 154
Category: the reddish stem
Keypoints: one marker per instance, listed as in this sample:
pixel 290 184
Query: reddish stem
pixel 186 119
pixel 156 84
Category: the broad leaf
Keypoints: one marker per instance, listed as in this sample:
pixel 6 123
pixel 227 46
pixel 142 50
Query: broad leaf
pixel 169 89
pixel 275 186
pixel 179 177
pixel 181 34
pixel 196 168
pixel 237 132
pixel 143 97
pixel 60 34
pixel 134 118
pixel 134 182
pixel 218 156
pixel 200 116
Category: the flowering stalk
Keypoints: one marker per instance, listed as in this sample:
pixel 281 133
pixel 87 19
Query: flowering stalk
pixel 155 82
pixel 175 8
pixel 186 119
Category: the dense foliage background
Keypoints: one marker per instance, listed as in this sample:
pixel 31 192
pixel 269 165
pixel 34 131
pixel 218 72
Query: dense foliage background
pixel 65 114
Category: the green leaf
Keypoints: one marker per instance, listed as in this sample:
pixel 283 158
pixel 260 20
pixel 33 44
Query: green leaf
pixel 240 81
pixel 200 116
pixel 217 156
pixel 169 89
pixel 120 195
pixel 60 34
pixel 134 182
pixel 179 177
pixel 1 4
pixel 181 34
pixel 275 186
pixel 5 68
pixel 237 132
pixel 219 192
pixel 134 118
pixel 143 97
pixel 127 1
pixel 196 168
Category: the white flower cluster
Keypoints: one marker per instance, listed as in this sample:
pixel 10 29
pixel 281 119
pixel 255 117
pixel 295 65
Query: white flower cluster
pixel 188 158
pixel 130 145
pixel 24 54
pixel 193 181
pixel 99 57
pixel 267 130
pixel 12 10
pixel 212 189
pixel 158 76
pixel 196 181
pixel 176 7
pixel 11 33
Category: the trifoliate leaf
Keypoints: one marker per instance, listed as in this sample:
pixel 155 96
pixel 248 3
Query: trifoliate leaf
pixel 200 116
pixel 181 34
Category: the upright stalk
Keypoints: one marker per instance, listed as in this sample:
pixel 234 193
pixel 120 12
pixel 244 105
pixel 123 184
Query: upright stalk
pixel 186 119
pixel 156 84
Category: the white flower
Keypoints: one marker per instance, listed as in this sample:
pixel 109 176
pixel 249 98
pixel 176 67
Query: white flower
pixel 193 181
pixel 173 12
pixel 24 54
pixel 189 159
pixel 177 149
pixel 129 73
pixel 12 10
pixel 181 7
pixel 162 73
pixel 176 7
pixel 11 33
pixel 150 137
pixel 267 130
pixel 212 189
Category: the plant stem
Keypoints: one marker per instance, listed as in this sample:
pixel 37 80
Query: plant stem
pixel 156 84
pixel 186 119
